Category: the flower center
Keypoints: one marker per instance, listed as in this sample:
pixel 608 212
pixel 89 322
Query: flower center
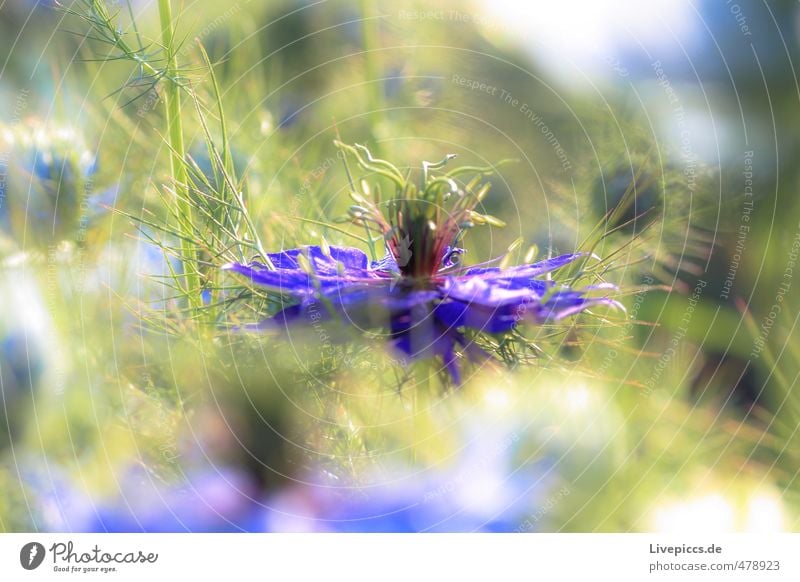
pixel 420 237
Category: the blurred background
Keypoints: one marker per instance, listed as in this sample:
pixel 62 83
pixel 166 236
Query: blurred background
pixel 680 415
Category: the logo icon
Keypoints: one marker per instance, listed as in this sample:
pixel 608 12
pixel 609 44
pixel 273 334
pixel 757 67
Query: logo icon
pixel 31 555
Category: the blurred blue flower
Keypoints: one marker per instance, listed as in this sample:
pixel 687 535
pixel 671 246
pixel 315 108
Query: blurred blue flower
pixel 54 503
pixel 211 499
pixel 210 167
pixel 290 112
pixel 27 349
pixel 394 81
pixel 49 193
pixel 426 316
pixel 138 267
pixel 483 492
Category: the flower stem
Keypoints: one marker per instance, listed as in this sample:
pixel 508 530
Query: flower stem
pixel 172 103
pixel 369 30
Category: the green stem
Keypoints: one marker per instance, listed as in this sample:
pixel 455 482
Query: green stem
pixel 172 101
pixel 369 30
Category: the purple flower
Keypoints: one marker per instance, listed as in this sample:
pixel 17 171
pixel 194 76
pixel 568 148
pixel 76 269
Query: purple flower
pixel 482 488
pixel 424 318
pixel 418 292
pixel 211 499
pixel 444 502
